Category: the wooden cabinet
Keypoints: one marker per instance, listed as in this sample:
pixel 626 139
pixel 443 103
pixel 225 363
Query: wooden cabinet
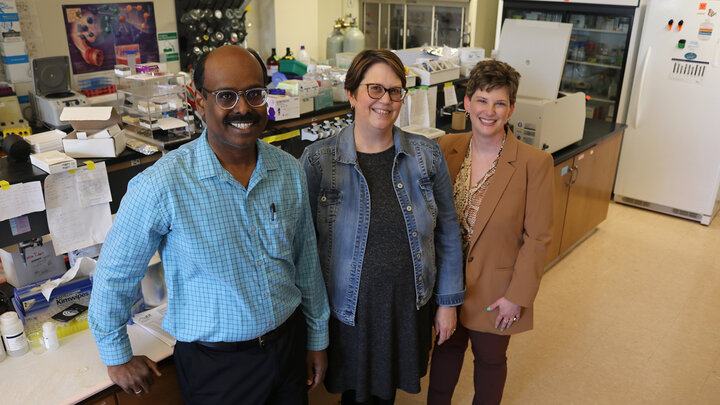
pixel 164 391
pixel 582 188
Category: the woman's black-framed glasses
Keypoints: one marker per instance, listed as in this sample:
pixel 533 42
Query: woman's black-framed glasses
pixel 377 92
pixel 227 99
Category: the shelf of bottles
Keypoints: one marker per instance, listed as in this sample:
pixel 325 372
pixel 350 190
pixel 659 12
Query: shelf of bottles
pixel 205 25
pixel 595 58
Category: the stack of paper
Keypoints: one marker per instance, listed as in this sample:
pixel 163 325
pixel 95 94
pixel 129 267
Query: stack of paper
pixel 46 141
pixel 53 161
pixel 151 321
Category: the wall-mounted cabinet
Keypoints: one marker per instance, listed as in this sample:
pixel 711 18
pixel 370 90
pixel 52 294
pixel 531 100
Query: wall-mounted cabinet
pixel 401 25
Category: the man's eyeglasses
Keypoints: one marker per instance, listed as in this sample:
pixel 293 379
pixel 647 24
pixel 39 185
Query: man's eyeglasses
pixel 227 99
pixel 377 92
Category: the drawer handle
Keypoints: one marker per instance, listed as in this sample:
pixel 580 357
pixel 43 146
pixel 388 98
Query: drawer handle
pixel 574 174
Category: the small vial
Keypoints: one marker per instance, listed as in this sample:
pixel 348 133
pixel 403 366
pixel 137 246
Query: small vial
pixel 13 334
pixel 50 336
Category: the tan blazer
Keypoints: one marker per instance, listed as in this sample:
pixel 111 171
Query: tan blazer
pixel 506 255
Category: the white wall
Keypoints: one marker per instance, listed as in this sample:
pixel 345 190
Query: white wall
pixel 296 23
pixel 261 32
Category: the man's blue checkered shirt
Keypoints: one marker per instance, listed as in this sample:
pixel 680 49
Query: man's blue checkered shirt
pixel 237 261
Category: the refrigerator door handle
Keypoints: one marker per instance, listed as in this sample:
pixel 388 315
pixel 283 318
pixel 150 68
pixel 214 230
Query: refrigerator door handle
pixel 641 86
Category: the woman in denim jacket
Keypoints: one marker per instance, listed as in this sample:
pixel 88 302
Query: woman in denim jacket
pixel 388 237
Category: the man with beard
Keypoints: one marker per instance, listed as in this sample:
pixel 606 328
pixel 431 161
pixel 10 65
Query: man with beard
pixel 230 217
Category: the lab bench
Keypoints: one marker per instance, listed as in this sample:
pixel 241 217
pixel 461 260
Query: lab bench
pixel 74 374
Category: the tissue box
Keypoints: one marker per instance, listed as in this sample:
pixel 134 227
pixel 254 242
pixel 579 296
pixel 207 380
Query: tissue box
pixel 283 107
pixel 93 121
pixel 30 304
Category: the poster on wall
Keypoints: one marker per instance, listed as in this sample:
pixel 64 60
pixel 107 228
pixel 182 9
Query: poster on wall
pixel 101 36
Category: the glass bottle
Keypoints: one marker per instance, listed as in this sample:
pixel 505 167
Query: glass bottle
pixel 288 54
pixel 272 63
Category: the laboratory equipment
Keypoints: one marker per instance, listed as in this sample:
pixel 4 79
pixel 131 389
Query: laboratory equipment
pixel 543 117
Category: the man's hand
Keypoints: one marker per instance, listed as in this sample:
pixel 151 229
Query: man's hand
pixel 316 367
pixel 135 376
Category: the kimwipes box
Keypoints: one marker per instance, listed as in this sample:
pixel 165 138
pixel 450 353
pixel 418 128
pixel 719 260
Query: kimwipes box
pixel 96 132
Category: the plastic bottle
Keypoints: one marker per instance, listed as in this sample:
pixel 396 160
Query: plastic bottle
pixel 303 55
pixel 13 334
pixel 272 63
pixel 50 336
pixel 334 43
pixel 354 39
pixel 288 54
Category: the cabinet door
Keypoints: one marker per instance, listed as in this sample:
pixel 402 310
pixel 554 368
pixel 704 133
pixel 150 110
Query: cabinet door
pixel 578 221
pixel 561 186
pixel 165 391
pixel 602 178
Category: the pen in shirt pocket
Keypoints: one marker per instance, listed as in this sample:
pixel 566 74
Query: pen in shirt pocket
pixel 272 211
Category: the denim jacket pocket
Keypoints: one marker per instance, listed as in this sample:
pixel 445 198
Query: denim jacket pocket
pixel 328 204
pixel 426 186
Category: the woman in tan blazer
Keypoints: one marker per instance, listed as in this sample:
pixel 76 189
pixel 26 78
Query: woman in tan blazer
pixel 503 197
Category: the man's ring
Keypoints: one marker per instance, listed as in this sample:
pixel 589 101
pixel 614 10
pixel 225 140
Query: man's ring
pixel 515 319
pixel 138 392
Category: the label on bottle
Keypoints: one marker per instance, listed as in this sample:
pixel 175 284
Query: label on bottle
pixel 272 69
pixel 16 342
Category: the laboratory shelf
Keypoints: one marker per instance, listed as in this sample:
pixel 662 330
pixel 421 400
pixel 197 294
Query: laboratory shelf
pixel 599 31
pixel 601 65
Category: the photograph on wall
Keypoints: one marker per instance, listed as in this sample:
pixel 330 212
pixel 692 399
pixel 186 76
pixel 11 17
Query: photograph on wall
pixel 101 36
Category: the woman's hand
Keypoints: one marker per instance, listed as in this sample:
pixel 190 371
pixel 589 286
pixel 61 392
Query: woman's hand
pixel 445 321
pixel 508 314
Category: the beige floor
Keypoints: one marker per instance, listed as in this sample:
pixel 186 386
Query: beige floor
pixel 631 316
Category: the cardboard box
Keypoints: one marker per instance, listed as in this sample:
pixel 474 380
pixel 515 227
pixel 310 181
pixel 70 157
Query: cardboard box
pixel 301 88
pixel 16 70
pixel 283 107
pixel 10 27
pixel 13 48
pixel 92 121
pixel 306 104
pixel 36 263
pixel 53 161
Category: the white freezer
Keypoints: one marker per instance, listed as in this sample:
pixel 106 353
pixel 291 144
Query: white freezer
pixel 670 158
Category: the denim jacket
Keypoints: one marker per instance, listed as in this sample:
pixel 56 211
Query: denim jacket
pixel 340 201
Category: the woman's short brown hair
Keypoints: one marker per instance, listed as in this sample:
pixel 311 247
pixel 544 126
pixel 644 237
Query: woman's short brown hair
pixel 492 74
pixel 367 58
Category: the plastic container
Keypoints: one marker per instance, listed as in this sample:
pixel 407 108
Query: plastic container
pixel 292 66
pixel 303 56
pixel 13 334
pixel 50 336
pixel 344 59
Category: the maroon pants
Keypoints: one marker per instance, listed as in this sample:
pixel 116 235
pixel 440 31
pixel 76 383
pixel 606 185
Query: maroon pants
pixel 490 366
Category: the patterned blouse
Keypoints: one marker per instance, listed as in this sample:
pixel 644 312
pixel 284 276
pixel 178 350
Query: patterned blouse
pixel 469 198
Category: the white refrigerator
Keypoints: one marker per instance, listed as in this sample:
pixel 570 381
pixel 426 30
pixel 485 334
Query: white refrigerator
pixel 670 158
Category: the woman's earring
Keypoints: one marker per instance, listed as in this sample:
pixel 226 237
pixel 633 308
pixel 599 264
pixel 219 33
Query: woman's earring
pixel 467 115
